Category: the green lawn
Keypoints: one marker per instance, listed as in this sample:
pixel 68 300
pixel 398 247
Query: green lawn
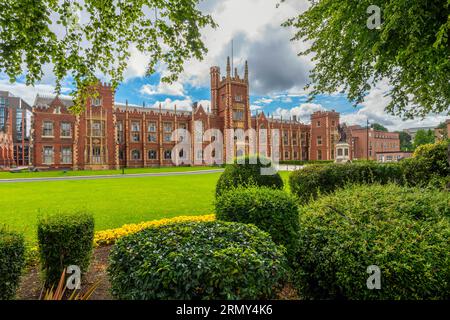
pixel 114 202
pixel 26 174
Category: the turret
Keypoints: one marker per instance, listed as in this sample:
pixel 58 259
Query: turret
pixel 246 71
pixel 215 80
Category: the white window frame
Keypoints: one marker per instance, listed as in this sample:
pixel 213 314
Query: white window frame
pixel 52 135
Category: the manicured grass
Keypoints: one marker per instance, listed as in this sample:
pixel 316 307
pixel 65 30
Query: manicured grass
pixel 43 174
pixel 114 202
pixel 285 176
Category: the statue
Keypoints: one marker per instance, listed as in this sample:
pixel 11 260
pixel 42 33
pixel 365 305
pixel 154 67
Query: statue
pixel 342 153
pixel 342 133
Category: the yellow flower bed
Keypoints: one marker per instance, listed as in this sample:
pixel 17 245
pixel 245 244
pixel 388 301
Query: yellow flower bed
pixel 107 237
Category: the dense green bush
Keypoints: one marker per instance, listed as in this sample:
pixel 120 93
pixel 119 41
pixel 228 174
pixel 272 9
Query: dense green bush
pixel 274 211
pixel 404 231
pixel 311 181
pixel 305 162
pixel 247 171
pixel 12 260
pixel 313 162
pixel 429 162
pixel 65 239
pixel 212 260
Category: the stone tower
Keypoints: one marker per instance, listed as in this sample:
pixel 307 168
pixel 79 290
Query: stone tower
pixel 230 100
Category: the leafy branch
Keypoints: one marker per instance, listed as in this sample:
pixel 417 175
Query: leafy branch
pixel 93 38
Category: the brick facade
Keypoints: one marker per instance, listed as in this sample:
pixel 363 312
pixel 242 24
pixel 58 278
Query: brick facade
pixel 109 135
pixel 324 135
pixel 367 143
pixel 133 136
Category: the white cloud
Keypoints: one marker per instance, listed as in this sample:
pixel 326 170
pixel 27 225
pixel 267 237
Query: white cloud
pixel 184 105
pixel 255 107
pixel 264 101
pixel 163 88
pixel 261 30
pixel 137 64
pixel 373 108
pixel 303 112
pixel 28 93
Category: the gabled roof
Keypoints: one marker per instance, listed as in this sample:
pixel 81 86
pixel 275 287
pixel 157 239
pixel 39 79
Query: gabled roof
pixel 46 101
pixel 261 116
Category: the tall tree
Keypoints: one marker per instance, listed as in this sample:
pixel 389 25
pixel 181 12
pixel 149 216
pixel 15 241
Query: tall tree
pixel 379 127
pixel 410 49
pixel 423 137
pixel 405 141
pixel 82 39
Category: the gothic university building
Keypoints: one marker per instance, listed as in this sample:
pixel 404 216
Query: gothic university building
pixel 109 135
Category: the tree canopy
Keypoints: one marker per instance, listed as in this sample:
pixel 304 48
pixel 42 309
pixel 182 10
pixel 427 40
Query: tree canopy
pixel 410 50
pixel 405 141
pixel 424 137
pixel 83 39
pixel 379 127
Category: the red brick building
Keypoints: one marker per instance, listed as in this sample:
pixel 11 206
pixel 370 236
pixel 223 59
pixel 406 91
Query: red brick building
pixel 111 135
pixel 368 143
pixel 393 156
pixel 324 135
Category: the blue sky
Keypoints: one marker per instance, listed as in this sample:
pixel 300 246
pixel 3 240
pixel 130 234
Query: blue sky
pixel 130 90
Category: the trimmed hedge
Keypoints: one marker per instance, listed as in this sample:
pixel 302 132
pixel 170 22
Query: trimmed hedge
pixel 312 162
pixel 247 171
pixel 210 260
pixel 311 181
pixel 305 162
pixel 65 239
pixel 12 261
pixel 404 231
pixel 274 211
pixel 429 162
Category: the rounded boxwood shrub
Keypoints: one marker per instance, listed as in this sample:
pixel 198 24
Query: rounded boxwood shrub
pixel 404 231
pixel 313 180
pixel 248 171
pixel 430 162
pixel 274 211
pixel 203 260
pixel 65 239
pixel 12 261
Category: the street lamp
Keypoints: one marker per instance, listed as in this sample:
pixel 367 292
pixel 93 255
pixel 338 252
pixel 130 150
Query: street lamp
pixel 368 138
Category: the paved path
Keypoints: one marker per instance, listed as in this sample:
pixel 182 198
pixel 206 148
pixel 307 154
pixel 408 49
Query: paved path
pixel 115 176
pixel 289 167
